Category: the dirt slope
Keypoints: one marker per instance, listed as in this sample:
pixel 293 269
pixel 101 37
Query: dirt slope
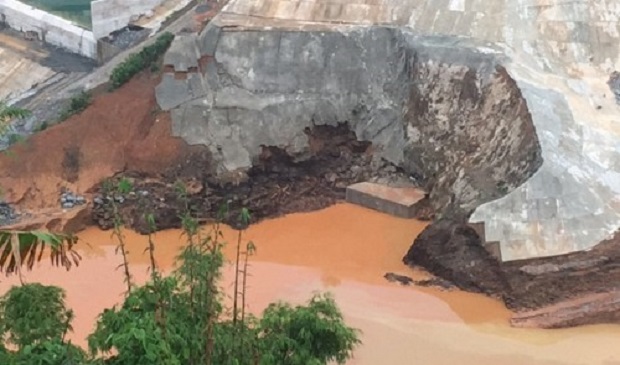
pixel 120 130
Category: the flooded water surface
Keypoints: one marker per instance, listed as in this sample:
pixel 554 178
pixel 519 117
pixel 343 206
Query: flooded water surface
pixel 346 250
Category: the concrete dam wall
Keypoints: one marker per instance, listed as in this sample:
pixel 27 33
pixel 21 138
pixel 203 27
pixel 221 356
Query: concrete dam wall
pixel 112 15
pixel 49 28
pixel 511 122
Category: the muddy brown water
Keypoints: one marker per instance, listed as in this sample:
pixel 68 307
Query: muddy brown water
pixel 346 250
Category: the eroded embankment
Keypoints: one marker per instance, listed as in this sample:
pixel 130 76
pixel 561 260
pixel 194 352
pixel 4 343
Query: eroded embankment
pixel 560 291
pixel 275 185
pixel 446 113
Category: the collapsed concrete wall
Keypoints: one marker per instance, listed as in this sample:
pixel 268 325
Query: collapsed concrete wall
pixel 111 15
pixel 446 112
pixel 49 28
pixel 560 55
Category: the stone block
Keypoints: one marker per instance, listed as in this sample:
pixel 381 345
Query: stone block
pixel 400 202
pixel 207 40
pixel 183 53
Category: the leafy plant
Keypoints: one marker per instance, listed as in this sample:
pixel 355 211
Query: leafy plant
pixel 27 247
pixel 77 104
pixel 35 320
pixel 15 138
pixel 7 113
pixel 304 335
pixel 180 319
pixel 53 352
pixel 137 62
pixel 33 313
pixel 114 192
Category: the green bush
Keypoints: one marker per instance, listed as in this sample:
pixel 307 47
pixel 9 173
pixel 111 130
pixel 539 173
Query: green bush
pixel 179 319
pixel 137 62
pixel 32 314
pixel 77 104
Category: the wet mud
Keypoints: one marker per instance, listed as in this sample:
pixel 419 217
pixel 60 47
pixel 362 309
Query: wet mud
pixel 550 292
pixel 346 250
pixel 276 185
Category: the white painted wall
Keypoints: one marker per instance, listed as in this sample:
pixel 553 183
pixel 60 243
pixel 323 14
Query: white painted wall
pixel 111 15
pixel 51 28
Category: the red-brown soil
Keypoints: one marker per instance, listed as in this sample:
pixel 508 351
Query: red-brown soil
pixel 123 134
pixel 123 130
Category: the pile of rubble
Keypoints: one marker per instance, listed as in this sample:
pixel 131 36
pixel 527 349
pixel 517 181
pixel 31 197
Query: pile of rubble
pixel 7 214
pixel 69 200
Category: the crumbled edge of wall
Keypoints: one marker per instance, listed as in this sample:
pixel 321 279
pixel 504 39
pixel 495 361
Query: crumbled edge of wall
pixel 111 15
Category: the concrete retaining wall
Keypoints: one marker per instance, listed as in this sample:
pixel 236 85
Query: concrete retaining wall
pixel 274 69
pixel 50 28
pixel 111 15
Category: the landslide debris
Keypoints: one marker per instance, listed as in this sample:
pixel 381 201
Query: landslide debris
pixel 565 289
pixel 277 184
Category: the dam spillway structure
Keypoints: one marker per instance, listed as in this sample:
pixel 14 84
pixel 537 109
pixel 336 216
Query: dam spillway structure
pixel 509 110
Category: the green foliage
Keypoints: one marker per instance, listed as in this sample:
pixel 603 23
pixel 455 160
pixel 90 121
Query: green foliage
pixel 15 138
pixel 10 112
pixel 123 187
pixel 7 113
pixel 53 352
pixel 142 331
pixel 27 247
pixel 41 127
pixel 179 319
pixel 32 314
pixel 77 104
pixel 137 62
pixel 305 335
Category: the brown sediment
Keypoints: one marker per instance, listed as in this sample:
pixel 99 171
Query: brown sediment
pixel 560 291
pixel 277 184
pixel 346 250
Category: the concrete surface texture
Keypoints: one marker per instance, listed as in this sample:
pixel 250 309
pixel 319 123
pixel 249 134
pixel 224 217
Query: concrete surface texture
pixel 154 19
pixel 266 88
pixel 450 89
pixel 111 15
pixel 50 28
pixel 19 67
pixel 397 201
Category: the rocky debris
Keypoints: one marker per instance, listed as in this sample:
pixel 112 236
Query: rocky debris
pixel 437 283
pixel 406 280
pixel 277 184
pixel 69 200
pixel 550 292
pixel 453 251
pixel 127 37
pixel 7 214
pixel 396 278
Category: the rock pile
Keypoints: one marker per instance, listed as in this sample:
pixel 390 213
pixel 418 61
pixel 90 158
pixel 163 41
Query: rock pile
pixel 7 214
pixel 69 200
pixel 102 213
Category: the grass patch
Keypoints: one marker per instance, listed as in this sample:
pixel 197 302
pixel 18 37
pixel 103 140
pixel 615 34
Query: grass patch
pixel 15 138
pixel 142 60
pixel 77 105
